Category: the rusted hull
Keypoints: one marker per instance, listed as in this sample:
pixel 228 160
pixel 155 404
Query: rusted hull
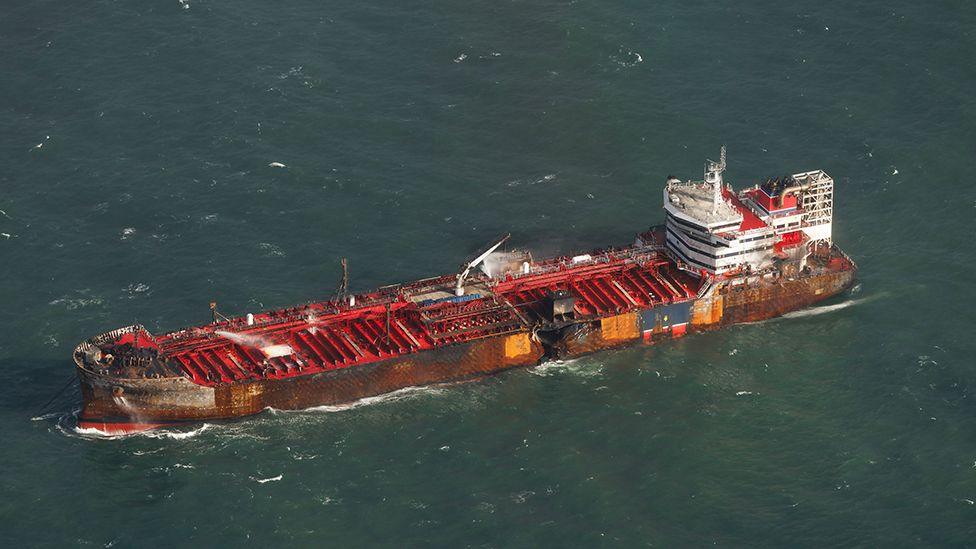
pixel 751 301
pixel 761 301
pixel 606 333
pixel 118 406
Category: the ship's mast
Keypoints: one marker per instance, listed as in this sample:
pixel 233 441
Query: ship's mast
pixel 343 289
pixel 713 176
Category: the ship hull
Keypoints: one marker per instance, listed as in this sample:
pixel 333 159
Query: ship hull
pixel 754 299
pixel 120 406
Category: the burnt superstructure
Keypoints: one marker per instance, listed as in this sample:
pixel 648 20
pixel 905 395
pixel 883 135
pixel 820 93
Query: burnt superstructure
pixel 721 257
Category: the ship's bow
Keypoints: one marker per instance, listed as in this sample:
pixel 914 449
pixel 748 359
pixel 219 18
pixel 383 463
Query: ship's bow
pixel 127 385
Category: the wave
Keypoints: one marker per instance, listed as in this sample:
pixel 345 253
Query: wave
pixel 175 435
pixel 399 394
pixel 92 433
pixel 67 424
pixel 578 367
pixel 823 309
pixel 627 58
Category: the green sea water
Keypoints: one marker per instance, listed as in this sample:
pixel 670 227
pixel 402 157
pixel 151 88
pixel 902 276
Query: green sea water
pixel 136 138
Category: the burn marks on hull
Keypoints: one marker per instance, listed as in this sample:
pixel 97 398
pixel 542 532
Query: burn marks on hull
pixel 161 401
pixel 450 363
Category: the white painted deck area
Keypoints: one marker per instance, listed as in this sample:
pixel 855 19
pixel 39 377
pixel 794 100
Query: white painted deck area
pixel 694 200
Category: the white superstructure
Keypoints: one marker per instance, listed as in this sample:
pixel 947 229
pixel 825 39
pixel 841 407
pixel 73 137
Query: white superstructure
pixel 710 228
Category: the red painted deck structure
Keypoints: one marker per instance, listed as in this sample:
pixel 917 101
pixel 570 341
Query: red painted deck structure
pixel 749 219
pixel 398 320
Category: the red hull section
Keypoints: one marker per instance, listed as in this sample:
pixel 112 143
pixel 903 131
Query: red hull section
pixel 121 428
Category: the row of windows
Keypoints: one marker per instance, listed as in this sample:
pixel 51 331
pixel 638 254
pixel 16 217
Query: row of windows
pixel 687 259
pixel 703 240
pixel 688 224
pixel 675 236
pixel 697 238
pixel 760 237
pixel 720 256
pixel 691 225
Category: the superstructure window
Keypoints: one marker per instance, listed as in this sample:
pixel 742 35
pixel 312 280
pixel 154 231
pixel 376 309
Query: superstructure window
pixel 677 236
pixel 687 259
pixel 703 240
pixel 691 225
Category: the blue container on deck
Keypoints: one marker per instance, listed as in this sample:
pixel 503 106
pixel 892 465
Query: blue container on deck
pixel 451 299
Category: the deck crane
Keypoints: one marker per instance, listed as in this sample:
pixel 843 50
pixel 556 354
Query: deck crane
pixel 459 287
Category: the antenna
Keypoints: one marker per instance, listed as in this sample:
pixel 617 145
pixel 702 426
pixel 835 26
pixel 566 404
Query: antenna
pixel 713 176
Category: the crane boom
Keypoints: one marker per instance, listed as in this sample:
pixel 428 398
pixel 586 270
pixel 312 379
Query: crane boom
pixel 459 287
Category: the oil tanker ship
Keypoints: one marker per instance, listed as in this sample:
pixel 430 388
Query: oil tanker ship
pixel 721 257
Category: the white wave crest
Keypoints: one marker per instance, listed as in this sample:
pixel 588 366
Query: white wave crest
pixel 824 309
pixel 175 435
pixel 577 367
pixel 399 394
pixel 92 433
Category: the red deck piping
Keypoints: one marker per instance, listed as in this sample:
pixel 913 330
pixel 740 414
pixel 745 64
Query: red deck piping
pixel 343 337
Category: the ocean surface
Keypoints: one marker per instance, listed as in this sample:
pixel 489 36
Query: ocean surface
pixel 136 140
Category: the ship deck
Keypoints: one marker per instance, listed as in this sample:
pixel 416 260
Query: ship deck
pixel 399 320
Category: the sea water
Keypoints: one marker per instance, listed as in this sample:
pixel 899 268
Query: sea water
pixel 161 155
